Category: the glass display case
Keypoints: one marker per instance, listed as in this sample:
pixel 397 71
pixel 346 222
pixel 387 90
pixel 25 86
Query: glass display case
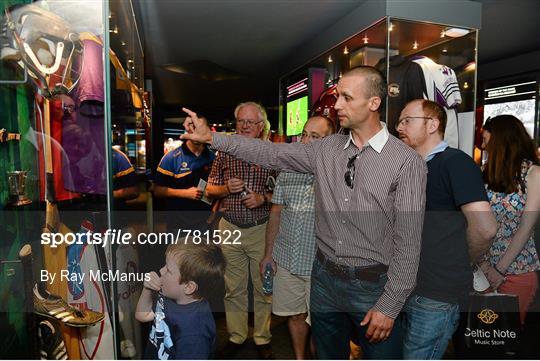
pixel 419 59
pixel 74 131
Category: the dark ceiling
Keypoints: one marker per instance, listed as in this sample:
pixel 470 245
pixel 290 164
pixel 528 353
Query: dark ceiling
pixel 213 54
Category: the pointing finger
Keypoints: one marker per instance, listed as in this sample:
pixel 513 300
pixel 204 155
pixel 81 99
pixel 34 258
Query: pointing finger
pixel 189 112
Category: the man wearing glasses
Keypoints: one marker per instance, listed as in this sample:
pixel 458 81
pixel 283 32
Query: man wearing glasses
pixel 290 242
pixel 459 227
pixel 246 204
pixel 369 197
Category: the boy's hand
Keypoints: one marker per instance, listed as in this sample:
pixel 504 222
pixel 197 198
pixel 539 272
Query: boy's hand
pixel 154 283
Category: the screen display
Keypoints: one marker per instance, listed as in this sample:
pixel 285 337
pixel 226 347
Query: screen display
pixel 521 109
pixel 297 115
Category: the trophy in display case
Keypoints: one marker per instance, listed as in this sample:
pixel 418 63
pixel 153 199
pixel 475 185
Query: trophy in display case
pixel 17 185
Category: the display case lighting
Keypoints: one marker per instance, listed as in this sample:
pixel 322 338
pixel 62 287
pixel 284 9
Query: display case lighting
pixel 456 32
pixel 470 66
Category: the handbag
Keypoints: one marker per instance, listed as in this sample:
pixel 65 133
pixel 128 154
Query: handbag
pixel 490 328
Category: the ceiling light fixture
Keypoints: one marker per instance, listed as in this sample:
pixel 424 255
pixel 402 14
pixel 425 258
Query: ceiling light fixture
pixel 346 50
pixel 365 39
pixel 470 66
pixel 456 32
pixel 442 34
pixel 465 85
pixel 330 58
pixel 445 50
pixel 415 45
pixel 391 27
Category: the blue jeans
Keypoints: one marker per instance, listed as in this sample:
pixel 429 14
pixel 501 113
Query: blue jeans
pixel 337 308
pixel 428 327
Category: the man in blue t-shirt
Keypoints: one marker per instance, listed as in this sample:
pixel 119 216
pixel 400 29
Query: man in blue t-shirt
pixel 458 228
pixel 124 180
pixel 177 179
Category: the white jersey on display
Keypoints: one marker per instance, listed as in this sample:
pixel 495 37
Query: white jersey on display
pixel 443 88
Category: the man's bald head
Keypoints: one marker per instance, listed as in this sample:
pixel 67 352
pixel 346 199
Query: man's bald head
pixel 375 83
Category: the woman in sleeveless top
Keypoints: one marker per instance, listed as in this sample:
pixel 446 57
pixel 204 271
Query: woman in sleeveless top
pixel 512 179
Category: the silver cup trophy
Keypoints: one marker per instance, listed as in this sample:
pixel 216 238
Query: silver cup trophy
pixel 17 185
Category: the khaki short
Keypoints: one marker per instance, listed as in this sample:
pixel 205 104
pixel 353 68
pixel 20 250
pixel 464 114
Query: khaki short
pixel 291 293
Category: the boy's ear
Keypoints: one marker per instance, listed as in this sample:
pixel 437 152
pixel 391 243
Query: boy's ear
pixel 190 288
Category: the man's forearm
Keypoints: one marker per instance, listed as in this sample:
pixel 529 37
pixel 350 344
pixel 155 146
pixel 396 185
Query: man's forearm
pixel 481 228
pixel 478 245
pixel 272 229
pixel 126 193
pixel 295 157
pixel 403 266
pixel 167 192
pixel 217 191
pixel 409 205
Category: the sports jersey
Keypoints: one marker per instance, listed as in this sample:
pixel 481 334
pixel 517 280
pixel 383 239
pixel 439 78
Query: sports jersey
pixel 123 171
pixel 91 84
pixel 442 87
pixel 181 169
pixel 405 83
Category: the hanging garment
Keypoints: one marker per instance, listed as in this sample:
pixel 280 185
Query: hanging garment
pixel 442 87
pixel 405 83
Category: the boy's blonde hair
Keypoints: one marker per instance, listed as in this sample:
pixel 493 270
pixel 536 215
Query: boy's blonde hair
pixel 200 263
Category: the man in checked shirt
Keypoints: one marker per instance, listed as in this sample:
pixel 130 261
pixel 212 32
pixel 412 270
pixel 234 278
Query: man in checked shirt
pixel 246 204
pixel 290 242
pixel 369 201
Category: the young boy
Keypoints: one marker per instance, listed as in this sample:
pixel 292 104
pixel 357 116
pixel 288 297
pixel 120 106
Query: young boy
pixel 184 327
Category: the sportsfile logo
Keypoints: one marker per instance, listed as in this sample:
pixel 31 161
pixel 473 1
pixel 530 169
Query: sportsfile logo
pixel 487 316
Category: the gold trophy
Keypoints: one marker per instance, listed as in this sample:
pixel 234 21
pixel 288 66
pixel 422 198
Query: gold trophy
pixel 17 185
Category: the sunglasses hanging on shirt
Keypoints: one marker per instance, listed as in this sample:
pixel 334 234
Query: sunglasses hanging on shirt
pixel 351 171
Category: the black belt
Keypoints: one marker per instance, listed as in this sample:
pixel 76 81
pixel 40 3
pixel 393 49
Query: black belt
pixel 248 225
pixel 369 273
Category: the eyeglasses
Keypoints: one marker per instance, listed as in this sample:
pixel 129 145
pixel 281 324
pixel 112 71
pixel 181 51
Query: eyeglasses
pixel 351 170
pixel 406 120
pixel 249 122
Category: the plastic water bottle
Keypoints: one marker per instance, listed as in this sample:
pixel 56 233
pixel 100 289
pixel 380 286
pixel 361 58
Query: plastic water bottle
pixel 268 280
pixel 244 192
